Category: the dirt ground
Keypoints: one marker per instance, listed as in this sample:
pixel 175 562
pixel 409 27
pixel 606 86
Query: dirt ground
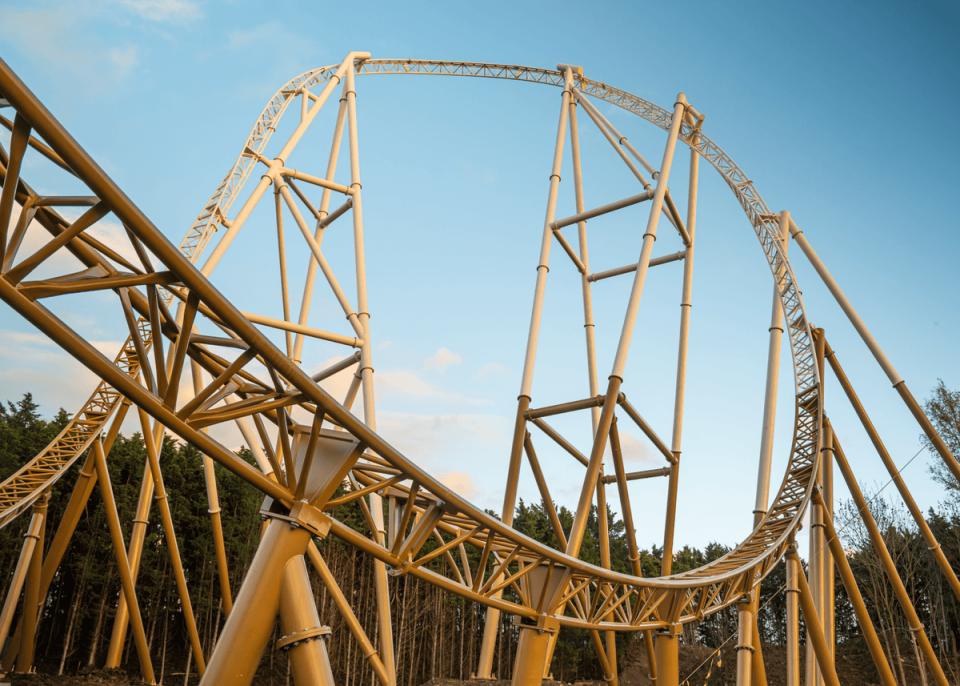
pixel 698 664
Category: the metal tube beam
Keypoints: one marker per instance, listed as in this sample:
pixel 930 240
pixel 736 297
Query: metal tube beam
pixel 890 569
pixel 815 565
pixel 289 327
pixel 309 662
pixel 384 619
pixel 20 572
pixel 123 565
pixel 949 459
pixel 282 254
pixel 643 474
pixel 856 600
pixel 584 215
pixel 793 623
pixel 744 648
pixel 173 549
pixel 770 391
pixel 140 519
pixel 321 214
pixel 213 504
pixel 485 664
pixel 668 656
pixel 346 612
pixel 19 139
pixel 249 627
pixel 948 573
pixel 276 164
pixel 666 259
pixel 32 599
pixel 686 304
pixel 814 630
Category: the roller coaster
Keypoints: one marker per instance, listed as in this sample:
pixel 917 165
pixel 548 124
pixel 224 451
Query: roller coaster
pixel 194 362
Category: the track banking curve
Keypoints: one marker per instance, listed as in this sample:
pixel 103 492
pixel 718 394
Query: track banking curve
pixel 598 598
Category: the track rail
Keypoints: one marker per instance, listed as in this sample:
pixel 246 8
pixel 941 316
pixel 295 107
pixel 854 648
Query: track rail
pixel 593 597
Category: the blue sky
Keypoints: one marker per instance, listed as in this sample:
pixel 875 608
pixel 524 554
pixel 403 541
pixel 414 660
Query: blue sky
pixel 840 112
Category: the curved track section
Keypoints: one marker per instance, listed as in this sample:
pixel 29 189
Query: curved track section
pixel 591 597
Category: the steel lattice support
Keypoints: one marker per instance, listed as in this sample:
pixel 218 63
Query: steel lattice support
pixel 307 442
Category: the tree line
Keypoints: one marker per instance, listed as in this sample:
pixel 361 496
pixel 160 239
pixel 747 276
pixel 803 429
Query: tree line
pixel 436 634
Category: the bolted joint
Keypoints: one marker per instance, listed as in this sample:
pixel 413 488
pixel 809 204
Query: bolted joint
pixel 297 637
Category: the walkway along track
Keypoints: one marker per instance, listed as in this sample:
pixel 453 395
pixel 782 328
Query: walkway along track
pixel 597 598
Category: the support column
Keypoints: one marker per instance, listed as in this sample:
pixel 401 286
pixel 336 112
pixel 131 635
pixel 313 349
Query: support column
pixel 685 306
pixel 859 607
pixel 250 625
pixel 948 458
pixel 826 515
pixel 626 335
pixel 31 595
pixel 668 655
pixel 610 637
pixel 487 645
pixel 889 568
pixel 814 629
pixel 140 519
pixel 123 564
pixel 759 677
pixel 812 674
pixel 213 502
pixel 303 635
pixel 384 619
pixel 744 647
pixel 20 573
pixel 531 654
pixel 793 623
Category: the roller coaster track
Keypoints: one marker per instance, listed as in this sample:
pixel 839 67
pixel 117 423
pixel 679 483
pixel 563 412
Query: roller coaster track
pixel 591 597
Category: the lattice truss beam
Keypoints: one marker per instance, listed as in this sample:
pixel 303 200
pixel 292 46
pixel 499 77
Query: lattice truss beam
pixel 193 363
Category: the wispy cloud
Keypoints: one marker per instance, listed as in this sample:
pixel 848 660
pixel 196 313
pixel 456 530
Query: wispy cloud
pixel 492 369
pixel 442 359
pixel 164 11
pixel 408 384
pixel 635 450
pixel 460 483
pixel 59 39
pixel 270 33
pixel 123 61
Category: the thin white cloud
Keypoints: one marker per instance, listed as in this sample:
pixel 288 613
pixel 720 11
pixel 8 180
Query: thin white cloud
pixel 272 32
pixel 424 437
pixel 635 450
pixel 59 38
pixel 460 483
pixel 124 60
pixel 23 338
pixel 164 11
pixel 442 359
pixel 492 369
pixel 409 384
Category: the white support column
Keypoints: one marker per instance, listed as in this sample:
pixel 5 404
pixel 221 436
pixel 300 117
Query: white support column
pixel 623 347
pixel 770 393
pixel 487 645
pixel 686 304
pixel 384 620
